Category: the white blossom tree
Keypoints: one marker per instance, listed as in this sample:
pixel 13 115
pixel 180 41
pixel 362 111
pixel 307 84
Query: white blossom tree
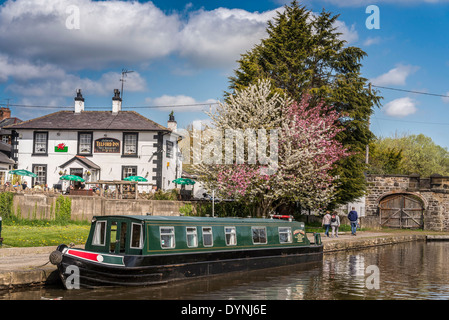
pixel 294 145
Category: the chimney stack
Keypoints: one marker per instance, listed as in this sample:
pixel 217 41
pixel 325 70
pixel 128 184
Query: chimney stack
pixel 79 101
pixel 5 113
pixel 116 102
pixel 171 123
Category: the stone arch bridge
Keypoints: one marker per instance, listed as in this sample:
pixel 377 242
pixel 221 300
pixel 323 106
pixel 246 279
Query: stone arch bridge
pixel 408 201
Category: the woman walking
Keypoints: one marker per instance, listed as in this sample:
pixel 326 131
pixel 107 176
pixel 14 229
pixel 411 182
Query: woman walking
pixel 335 224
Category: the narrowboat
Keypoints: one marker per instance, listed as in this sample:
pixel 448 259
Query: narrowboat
pixel 152 250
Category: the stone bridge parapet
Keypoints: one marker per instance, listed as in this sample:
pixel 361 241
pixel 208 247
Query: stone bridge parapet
pixel 433 192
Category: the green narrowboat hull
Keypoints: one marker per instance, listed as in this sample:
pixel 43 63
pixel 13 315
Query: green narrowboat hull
pixel 159 261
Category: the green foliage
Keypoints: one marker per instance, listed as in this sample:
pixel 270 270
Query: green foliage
pixel 166 195
pixel 408 154
pixel 186 210
pixel 303 53
pixel 226 209
pixel 63 209
pixel 6 202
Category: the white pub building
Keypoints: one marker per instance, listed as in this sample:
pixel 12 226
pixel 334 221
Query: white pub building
pixel 97 145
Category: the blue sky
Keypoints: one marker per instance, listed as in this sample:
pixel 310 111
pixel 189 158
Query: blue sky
pixel 182 53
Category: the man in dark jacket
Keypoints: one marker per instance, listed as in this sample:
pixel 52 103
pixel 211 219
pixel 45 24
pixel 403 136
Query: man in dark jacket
pixel 352 216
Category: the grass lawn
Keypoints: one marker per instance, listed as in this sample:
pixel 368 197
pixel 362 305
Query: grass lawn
pixel 44 235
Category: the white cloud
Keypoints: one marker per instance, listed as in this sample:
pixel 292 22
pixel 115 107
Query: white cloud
pixel 64 85
pixel 348 34
pixel 109 31
pixel 23 70
pixel 112 32
pixel 126 32
pixel 217 38
pixel 184 103
pixel 401 107
pixel 395 76
pixel 370 41
pixel 364 3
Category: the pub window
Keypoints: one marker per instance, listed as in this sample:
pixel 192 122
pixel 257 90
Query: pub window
pixel 85 142
pixel 259 235
pixel 285 234
pixel 208 240
pixel 167 237
pixel 231 236
pixel 128 171
pixel 192 237
pixel 136 236
pixel 41 171
pixel 40 145
pixel 169 149
pixel 99 238
pixel 130 144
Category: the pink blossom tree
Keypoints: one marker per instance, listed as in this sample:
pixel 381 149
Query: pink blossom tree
pixel 306 150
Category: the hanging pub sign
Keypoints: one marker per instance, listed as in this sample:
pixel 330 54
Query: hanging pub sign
pixel 107 145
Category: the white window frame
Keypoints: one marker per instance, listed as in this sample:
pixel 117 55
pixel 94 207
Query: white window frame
pixel 264 229
pixel 96 240
pixel 130 144
pixel 172 239
pixel 192 232
pixel 233 236
pixel 40 142
pixel 140 236
pixel 85 143
pixel 211 235
pixel 288 231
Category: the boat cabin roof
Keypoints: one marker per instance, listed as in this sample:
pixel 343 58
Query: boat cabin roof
pixel 192 219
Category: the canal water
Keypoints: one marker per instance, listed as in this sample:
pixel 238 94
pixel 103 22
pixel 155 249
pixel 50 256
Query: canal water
pixel 413 270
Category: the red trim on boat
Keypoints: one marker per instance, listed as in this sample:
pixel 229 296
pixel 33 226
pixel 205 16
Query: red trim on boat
pixel 84 254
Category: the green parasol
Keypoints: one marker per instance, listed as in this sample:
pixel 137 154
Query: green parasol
pixel 23 172
pixel 184 181
pixel 71 177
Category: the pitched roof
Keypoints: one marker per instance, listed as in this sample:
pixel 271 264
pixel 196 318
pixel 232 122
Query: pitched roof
pixel 88 163
pixel 88 120
pixel 6 122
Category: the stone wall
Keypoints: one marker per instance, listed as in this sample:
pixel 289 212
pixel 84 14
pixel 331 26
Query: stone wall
pixel 433 192
pixel 42 206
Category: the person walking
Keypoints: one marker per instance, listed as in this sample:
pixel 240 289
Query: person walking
pixel 335 224
pixel 353 216
pixel 326 223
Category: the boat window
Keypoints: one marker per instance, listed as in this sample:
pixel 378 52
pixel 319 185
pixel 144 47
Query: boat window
pixel 192 238
pixel 285 234
pixel 231 236
pixel 167 237
pixel 208 240
pixel 136 236
pixel 99 238
pixel 259 235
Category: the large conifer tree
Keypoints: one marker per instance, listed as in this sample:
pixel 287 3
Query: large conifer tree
pixel 304 53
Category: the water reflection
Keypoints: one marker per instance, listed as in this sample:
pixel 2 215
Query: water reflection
pixel 414 270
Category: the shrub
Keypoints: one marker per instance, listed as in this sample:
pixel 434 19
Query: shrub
pixel 63 209
pixel 6 202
